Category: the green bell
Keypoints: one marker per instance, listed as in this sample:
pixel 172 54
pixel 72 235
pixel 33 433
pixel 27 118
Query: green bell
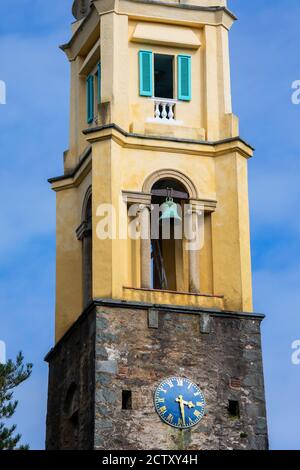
pixel 170 210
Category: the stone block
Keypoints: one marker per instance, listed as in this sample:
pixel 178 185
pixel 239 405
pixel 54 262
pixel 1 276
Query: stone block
pixel 107 367
pixel 153 318
pixel 205 324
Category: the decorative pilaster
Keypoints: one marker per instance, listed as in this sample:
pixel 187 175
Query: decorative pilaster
pixel 144 218
pixel 194 246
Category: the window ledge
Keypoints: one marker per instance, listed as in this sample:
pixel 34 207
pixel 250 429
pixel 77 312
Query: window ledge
pixel 168 297
pixel 164 100
pixel 172 128
pixel 167 35
pixel 166 121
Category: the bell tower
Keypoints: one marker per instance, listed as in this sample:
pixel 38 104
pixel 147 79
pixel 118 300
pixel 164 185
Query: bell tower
pixel 154 291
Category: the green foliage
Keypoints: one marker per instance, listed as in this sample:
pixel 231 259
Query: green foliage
pixel 12 374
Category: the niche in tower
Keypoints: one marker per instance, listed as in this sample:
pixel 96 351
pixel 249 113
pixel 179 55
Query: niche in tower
pixel 167 256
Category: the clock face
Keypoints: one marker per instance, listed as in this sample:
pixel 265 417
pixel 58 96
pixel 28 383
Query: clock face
pixel 179 402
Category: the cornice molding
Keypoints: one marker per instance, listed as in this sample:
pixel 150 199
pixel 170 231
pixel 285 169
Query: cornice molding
pixel 186 6
pixel 147 142
pixel 221 146
pixel 136 197
pixel 166 13
pixel 75 176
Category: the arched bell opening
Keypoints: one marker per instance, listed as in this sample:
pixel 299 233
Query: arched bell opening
pixel 168 197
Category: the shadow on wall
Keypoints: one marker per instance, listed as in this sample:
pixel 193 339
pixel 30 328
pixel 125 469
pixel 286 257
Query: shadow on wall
pixel 81 8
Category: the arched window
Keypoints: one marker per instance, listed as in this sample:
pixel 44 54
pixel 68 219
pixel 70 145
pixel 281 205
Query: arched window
pixel 166 248
pixel 84 234
pixel 70 429
pixel 71 404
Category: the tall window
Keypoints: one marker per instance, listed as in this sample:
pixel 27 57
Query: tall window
pixel 87 253
pixel 163 76
pixel 93 93
pixel 90 98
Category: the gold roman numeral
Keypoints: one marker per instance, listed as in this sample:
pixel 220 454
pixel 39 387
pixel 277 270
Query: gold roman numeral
pixel 170 383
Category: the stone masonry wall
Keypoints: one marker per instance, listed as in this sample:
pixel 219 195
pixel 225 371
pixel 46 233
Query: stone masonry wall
pixel 115 348
pixel 226 363
pixel 70 417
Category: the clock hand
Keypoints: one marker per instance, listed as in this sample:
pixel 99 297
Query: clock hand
pixel 190 404
pixel 181 404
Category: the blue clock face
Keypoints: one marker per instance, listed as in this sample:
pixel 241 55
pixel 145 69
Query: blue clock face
pixel 179 402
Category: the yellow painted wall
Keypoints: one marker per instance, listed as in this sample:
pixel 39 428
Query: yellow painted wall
pixel 69 303
pixel 121 162
pixel 207 116
pixel 142 108
pixel 222 178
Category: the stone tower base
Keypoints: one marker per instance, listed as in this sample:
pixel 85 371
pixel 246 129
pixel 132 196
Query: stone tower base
pixel 104 371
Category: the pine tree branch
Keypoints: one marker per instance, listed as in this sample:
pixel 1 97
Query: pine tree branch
pixel 11 376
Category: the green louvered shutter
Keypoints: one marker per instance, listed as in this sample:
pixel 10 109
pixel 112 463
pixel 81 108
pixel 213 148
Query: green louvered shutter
pixel 146 73
pixel 184 78
pixel 90 98
pixel 99 83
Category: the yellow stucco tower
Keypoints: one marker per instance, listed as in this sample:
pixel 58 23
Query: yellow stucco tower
pixel 151 125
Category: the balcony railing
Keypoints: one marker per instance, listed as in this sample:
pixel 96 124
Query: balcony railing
pixel 164 110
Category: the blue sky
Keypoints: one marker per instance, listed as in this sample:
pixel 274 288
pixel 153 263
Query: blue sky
pixel 34 133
